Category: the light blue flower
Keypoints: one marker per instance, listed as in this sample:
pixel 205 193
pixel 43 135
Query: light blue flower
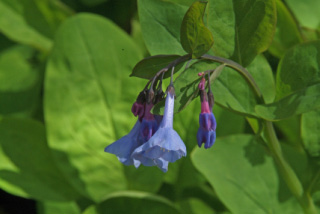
pixel 165 145
pixel 124 147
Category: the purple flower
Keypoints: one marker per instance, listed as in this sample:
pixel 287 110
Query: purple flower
pixel 207 130
pixel 124 147
pixel 165 145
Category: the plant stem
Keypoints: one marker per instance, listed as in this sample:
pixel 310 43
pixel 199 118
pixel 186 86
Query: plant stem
pixel 287 172
pixel 238 68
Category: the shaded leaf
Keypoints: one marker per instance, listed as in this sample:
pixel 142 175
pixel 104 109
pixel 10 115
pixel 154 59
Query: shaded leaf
pixel 298 69
pixel 20 82
pixel 50 207
pixel 221 23
pixel 160 25
pixel 133 202
pixel 149 66
pixel 162 20
pixel 287 33
pixel 310 132
pixel 195 37
pixel 297 103
pixel 27 168
pixel 31 22
pixel 255 26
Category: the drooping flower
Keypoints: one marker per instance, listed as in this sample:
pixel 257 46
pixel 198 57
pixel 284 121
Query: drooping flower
pixel 207 130
pixel 124 147
pixel 165 145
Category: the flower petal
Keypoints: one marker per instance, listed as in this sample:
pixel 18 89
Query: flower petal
pixel 165 143
pixel 123 147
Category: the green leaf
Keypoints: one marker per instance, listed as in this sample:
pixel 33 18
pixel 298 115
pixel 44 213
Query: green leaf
pixel 133 202
pixel 310 132
pixel 20 82
pixel 255 26
pixel 287 33
pixel 297 103
pixel 31 22
pixel 162 20
pixel 242 174
pixel 27 168
pixel 221 23
pixel 88 97
pixel 290 130
pixel 53 207
pixel 298 69
pixel 160 25
pixel 307 12
pixel 263 75
pixel 149 66
pixel 195 37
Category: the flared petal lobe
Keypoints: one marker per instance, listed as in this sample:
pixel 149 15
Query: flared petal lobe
pixel 124 147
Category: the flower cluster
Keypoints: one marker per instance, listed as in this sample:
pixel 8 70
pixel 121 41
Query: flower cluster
pixel 153 141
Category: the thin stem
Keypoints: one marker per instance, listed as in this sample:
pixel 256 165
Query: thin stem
pixel 287 172
pixel 238 68
pixel 172 64
pixel 171 79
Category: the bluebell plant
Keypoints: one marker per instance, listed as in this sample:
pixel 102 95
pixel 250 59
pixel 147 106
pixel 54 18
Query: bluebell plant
pixel 153 141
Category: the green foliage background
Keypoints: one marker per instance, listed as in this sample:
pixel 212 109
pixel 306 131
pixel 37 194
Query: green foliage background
pixel 66 93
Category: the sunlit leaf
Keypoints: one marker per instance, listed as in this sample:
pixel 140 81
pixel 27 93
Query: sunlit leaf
pixel 88 97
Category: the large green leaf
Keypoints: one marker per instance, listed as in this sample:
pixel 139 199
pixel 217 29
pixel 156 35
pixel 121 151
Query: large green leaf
pixel 299 102
pixel 307 12
pixel 161 21
pixel 27 168
pixel 221 23
pixel 243 175
pixel 31 22
pixel 19 81
pixel 133 202
pixel 310 132
pixel 299 68
pixel 195 37
pixel 160 25
pixel 255 26
pixel 88 96
pixel 287 32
